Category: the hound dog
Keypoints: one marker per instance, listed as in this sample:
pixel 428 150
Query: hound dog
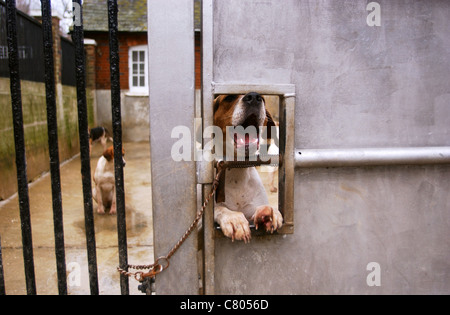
pixel 99 134
pixel 245 197
pixel 104 191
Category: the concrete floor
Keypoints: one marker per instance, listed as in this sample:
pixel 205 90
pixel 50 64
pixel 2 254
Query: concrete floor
pixel 139 229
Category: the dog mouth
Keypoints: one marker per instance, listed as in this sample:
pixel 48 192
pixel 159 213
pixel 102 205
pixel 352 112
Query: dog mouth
pixel 245 137
pixel 245 140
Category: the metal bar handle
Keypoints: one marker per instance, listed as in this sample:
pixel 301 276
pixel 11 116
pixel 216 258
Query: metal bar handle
pixel 315 158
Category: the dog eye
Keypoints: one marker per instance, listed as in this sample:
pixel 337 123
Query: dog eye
pixel 230 98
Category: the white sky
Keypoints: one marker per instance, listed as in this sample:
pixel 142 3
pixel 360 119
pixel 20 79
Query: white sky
pixel 60 8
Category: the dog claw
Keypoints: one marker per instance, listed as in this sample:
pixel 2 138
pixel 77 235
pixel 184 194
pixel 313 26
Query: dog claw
pixel 236 227
pixel 270 218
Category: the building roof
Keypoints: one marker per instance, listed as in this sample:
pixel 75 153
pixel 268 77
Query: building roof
pixel 132 15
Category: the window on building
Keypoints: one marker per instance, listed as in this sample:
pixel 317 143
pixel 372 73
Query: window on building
pixel 138 65
pixel 3 52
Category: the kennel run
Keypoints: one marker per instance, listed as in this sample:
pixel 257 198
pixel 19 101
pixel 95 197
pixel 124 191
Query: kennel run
pixel 364 145
pixel 15 83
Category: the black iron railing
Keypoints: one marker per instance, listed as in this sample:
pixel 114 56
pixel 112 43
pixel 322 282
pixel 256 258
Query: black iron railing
pixel 19 141
pixel 14 75
pixel 52 126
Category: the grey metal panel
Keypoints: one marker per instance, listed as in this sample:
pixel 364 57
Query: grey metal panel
pixel 356 87
pixel 172 94
pixel 345 219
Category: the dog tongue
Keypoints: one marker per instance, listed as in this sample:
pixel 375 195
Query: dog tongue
pixel 245 140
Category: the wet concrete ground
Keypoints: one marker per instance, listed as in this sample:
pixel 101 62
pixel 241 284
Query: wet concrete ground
pixel 139 229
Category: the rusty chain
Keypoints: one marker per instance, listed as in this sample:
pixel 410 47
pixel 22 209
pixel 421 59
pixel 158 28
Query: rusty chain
pixel 163 262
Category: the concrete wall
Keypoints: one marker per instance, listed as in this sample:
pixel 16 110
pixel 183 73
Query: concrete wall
pixel 135 115
pixel 35 127
pixel 357 86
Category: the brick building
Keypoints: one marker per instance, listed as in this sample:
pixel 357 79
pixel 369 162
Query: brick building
pixel 133 53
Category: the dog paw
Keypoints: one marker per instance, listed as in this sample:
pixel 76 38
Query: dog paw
pixel 113 210
pixel 267 217
pixel 235 226
pixel 101 210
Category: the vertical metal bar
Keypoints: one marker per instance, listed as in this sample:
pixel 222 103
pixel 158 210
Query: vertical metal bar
pixel 282 151
pixel 19 139
pixel 207 114
pixel 78 39
pixel 286 171
pixel 52 125
pixel 2 278
pixel 117 136
pixel 172 68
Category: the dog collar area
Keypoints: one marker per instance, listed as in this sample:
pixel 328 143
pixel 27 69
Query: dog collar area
pixel 250 161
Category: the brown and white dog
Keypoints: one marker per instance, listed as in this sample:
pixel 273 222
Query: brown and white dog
pixel 245 197
pixel 104 191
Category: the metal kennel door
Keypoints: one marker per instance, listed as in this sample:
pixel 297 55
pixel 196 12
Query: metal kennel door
pixel 172 95
pixel 368 90
pixel 372 95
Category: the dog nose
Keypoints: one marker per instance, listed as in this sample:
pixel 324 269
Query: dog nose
pixel 252 99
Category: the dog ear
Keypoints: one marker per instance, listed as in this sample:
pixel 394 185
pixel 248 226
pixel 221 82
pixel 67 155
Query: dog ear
pixel 269 123
pixel 216 103
pixel 109 154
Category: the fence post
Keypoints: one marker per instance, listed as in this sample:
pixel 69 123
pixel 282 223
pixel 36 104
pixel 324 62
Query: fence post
pixel 19 140
pixel 53 145
pixel 78 39
pixel 117 136
pixel 174 187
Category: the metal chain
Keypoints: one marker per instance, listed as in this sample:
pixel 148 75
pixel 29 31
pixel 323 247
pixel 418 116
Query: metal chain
pixel 157 267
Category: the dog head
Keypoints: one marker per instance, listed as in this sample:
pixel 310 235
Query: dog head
pixel 246 111
pixel 109 155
